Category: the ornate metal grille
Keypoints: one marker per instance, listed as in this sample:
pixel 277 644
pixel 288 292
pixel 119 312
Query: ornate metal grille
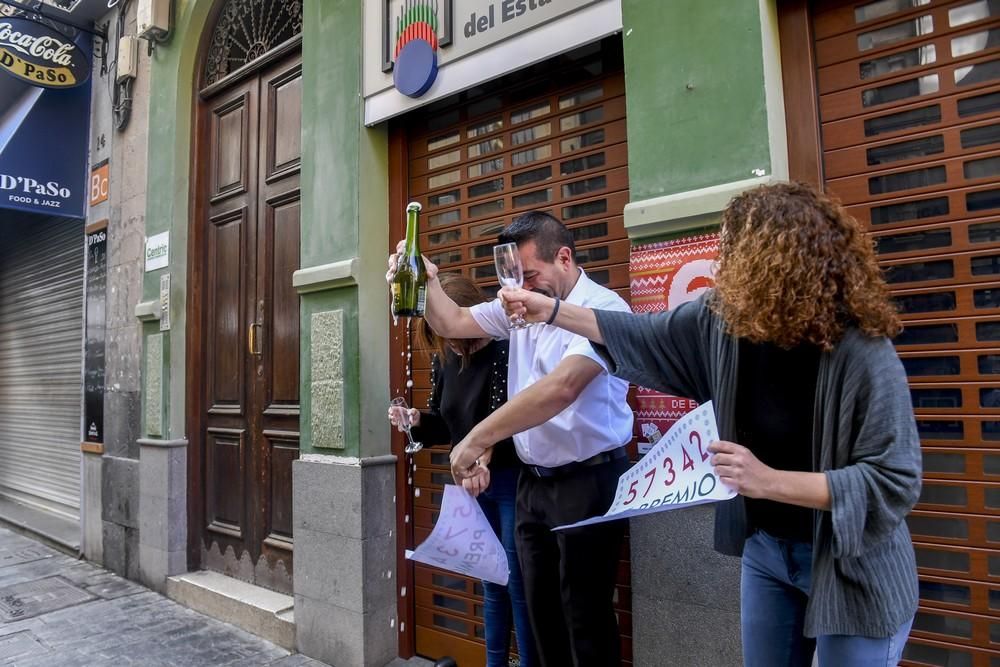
pixel 246 30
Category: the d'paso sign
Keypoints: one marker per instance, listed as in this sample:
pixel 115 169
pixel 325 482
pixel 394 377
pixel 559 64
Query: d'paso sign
pixel 40 55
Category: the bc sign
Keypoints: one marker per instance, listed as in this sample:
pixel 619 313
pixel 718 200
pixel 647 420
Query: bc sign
pixel 44 119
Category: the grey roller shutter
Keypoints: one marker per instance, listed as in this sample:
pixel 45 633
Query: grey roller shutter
pixel 41 320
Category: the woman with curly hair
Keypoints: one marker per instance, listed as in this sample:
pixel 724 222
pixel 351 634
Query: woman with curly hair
pixel 819 438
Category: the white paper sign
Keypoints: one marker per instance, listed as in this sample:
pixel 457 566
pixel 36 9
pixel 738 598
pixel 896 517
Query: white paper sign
pixel 675 473
pixel 157 251
pixel 463 540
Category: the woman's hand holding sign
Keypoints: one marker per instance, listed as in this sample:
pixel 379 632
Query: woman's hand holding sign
pixel 743 472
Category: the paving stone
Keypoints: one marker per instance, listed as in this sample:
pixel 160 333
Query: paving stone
pixel 85 616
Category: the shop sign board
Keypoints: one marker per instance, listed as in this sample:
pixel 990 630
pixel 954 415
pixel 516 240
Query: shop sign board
pixel 99 183
pixel 44 122
pixel 96 286
pixel 157 251
pixel 417 51
pixel 40 55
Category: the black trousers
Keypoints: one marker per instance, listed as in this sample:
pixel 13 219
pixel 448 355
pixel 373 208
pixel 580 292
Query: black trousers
pixel 569 575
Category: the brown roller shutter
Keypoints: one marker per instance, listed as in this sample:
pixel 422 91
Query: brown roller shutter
pixel 550 138
pixel 909 103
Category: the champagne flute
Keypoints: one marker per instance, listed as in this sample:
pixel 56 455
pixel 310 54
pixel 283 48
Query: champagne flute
pixel 510 273
pixel 403 415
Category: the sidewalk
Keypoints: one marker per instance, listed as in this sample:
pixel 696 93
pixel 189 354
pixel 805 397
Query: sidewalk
pixel 56 611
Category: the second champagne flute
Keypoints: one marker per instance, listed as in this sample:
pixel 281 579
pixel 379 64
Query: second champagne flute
pixel 510 273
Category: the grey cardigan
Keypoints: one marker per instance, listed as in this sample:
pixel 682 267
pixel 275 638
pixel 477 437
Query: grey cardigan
pixel 864 576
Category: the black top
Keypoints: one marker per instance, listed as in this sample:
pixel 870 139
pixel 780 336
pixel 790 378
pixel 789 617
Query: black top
pixel 775 392
pixel 461 398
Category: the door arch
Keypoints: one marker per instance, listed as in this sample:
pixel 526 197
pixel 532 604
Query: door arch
pixel 243 332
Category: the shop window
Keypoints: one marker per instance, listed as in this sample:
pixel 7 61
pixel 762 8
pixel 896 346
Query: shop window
pixel 898 62
pixel 984 232
pixel 986 266
pixel 911 210
pixel 989 398
pixel 982 168
pixel 947 593
pixel 991 431
pixel 449 603
pixel 988 331
pixel 590 232
pixel 925 303
pixel 978 73
pixel 581 164
pixel 943 494
pixel 980 201
pixel 531 176
pixel 986 298
pixel 938 238
pixel 491 186
pixel 484 106
pixel 924 366
pixel 531 113
pixel 484 128
pixel 919 271
pixel 949 528
pixel 448 581
pixel 582 210
pixel 940 430
pixel 970 13
pixel 936 398
pixel 595 254
pixel 936 655
pixel 938 559
pixel 992 527
pixel 444 179
pixel 485 168
pixel 484 272
pixel 581 97
pixel 488 229
pixel 894 122
pixel 906 150
pixel 898 32
pixel 486 147
pixel 584 187
pixel 445 198
pixel 584 140
pixel 927 334
pixel 449 623
pixel 907 180
pixel 978 104
pixel 533 198
pixel 444 159
pixel 894 92
pixel 991 466
pixel 876 10
pixel 949 464
pixel 520 158
pixel 446 218
pixel 980 136
pixel 529 134
pixel 580 119
pixel 989 364
pixel 443 141
pixel 444 258
pixel 977 41
pixel 486 208
pixel 445 238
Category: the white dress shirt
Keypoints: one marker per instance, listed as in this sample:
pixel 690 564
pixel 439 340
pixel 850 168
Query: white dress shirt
pixel 600 418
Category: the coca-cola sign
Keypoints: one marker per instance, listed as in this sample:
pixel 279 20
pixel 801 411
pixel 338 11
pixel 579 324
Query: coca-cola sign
pixel 40 55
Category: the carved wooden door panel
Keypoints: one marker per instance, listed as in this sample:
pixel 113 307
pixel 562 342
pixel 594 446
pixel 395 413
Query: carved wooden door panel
pixel 251 370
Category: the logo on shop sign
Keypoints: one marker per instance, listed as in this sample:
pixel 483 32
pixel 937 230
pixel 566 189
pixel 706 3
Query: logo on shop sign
pixel 418 25
pixel 40 55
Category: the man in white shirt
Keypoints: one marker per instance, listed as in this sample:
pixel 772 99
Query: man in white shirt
pixel 570 422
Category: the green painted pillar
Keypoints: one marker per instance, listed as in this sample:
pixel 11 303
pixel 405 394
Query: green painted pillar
pixel 705 110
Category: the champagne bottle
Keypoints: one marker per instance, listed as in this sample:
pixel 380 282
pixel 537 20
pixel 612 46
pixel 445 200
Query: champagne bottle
pixel 409 285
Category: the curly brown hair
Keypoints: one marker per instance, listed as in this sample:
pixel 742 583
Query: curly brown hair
pixel 795 268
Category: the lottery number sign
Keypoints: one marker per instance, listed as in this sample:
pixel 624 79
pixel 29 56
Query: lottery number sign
pixel 463 541
pixel 676 472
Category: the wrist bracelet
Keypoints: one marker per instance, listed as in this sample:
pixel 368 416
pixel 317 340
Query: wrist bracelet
pixel 555 311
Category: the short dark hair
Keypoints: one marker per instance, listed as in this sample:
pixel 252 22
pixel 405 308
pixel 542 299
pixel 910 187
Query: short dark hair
pixel 548 233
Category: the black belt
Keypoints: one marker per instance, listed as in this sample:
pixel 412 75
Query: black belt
pixel 575 466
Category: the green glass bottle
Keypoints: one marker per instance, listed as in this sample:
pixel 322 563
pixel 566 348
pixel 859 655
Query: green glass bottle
pixel 409 285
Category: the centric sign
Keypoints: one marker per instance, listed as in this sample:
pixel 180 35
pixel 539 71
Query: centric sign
pixel 415 53
pixel 40 55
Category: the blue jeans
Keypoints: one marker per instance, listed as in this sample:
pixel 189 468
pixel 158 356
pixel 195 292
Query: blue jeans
pixel 775 590
pixel 503 602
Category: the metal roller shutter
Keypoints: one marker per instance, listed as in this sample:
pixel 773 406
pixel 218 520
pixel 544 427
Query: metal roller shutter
pixel 551 138
pixel 41 320
pixel 909 99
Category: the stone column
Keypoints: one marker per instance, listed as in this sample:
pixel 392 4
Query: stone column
pixel 162 510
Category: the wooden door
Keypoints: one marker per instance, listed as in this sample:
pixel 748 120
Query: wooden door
pixel 249 422
pixel 906 96
pixel 475 162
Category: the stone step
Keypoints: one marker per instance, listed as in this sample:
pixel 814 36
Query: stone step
pixel 257 610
